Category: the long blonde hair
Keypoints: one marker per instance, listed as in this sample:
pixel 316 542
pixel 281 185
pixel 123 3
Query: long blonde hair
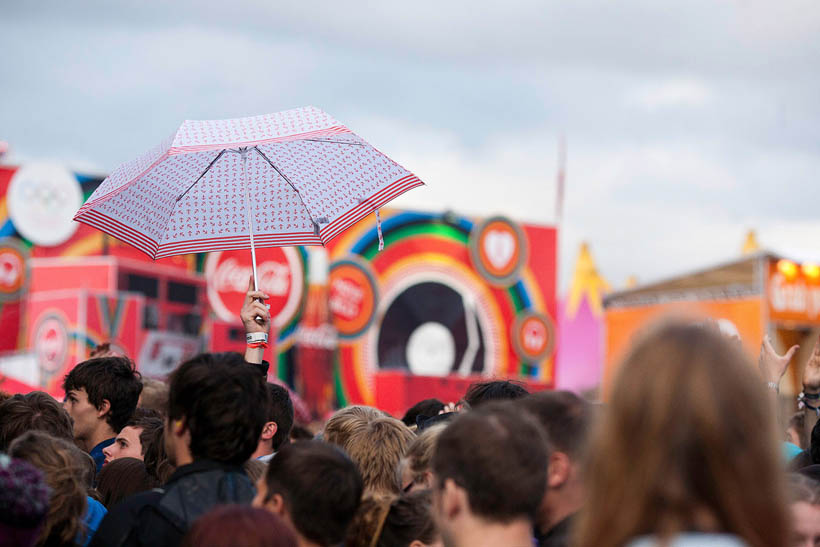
pixel 687 443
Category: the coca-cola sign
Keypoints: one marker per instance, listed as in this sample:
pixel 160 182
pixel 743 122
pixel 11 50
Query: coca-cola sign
pixel 280 276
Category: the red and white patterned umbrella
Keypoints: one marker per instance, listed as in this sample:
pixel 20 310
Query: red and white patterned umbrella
pixel 296 177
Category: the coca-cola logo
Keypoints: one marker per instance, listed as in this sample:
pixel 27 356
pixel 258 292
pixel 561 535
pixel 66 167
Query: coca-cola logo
pixel 280 275
pixel 353 297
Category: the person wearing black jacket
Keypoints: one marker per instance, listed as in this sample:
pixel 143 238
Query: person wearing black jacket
pixel 217 406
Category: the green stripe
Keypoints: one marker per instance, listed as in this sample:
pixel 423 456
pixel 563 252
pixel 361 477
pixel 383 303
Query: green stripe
pixel 341 396
pixel 443 230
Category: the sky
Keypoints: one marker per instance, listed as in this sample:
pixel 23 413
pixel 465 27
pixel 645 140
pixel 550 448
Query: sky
pixel 686 123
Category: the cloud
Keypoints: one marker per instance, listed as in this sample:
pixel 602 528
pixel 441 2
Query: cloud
pixel 670 94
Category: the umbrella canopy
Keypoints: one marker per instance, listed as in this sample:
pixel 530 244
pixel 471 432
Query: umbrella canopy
pixel 296 177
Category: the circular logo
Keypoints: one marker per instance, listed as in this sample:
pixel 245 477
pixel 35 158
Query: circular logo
pixel 13 274
pixel 280 276
pixel 353 296
pixel 42 200
pixel 533 336
pixel 498 249
pixel 51 343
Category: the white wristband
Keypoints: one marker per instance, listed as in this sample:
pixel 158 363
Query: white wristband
pixel 256 337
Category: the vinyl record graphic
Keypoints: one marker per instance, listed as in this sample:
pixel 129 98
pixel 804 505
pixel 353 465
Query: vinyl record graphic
pixel 429 330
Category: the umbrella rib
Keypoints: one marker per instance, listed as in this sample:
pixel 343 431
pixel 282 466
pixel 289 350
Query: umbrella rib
pixel 335 142
pixel 182 195
pixel 281 174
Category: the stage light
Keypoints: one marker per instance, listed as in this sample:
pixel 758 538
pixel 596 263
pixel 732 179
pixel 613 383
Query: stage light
pixel 811 271
pixel 787 268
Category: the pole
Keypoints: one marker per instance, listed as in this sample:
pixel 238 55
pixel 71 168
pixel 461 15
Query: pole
pixel 244 153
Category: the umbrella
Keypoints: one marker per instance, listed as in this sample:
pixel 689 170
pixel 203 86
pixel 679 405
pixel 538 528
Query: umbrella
pixel 296 177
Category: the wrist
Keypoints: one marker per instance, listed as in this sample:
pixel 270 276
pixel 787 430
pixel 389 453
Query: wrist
pixel 811 389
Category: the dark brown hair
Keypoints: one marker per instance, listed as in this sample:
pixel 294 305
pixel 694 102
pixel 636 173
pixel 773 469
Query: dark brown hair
pixel 229 525
pixel 65 472
pixel 154 456
pixel 149 422
pixel 499 456
pixel 494 390
pixel 687 444
pixel 320 487
pixel 114 379
pixel 121 478
pixel 33 411
pixel 410 518
pixel 564 416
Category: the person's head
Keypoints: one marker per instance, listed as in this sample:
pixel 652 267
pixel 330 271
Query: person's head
pixel 367 523
pixel 489 468
pixel 33 411
pixel 24 498
pixel 565 418
pixel 255 470
pixel 217 407
pixel 315 487
pixel 495 390
pixel 416 468
pixel 132 439
pixel 279 422
pixel 804 494
pixel 122 478
pixel 377 449
pixel 348 420
pixel 300 433
pixel 155 457
pixel 65 471
pixel 154 395
pixel 229 525
pixel 409 522
pixel 100 395
pixel 684 404
pixel 427 407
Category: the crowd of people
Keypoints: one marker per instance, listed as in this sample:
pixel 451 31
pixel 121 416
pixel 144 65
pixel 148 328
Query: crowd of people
pixel 687 450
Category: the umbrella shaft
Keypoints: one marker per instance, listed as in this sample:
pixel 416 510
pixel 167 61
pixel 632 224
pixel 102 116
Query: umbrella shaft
pixel 244 153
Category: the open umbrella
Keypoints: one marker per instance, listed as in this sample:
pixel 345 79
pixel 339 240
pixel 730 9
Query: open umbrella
pixel 296 177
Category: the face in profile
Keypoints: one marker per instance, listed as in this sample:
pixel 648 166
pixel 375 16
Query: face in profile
pixel 126 445
pixel 806 521
pixel 82 412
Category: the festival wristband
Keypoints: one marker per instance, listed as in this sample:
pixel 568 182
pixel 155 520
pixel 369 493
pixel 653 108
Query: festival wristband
pixel 256 338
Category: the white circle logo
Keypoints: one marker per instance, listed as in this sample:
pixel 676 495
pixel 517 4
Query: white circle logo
pixel 42 201
pixel 431 350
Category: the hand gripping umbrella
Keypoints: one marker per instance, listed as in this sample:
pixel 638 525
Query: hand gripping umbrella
pixel 296 177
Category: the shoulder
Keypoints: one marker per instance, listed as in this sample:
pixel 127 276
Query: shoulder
pixel 124 517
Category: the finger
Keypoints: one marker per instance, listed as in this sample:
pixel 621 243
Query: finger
pixel 791 352
pixel 250 283
pixel 257 294
pixel 259 309
pixel 767 344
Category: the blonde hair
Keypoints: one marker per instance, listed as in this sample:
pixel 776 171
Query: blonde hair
pixel 347 421
pixel 377 449
pixel 688 443
pixel 65 471
pixel 368 522
pixel 419 456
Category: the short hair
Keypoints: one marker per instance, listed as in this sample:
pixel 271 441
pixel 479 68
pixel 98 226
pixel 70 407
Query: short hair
pixel 255 469
pixel 427 407
pixel 229 525
pixel 320 486
pixel 223 402
pixel 419 456
pixel 346 421
pixel 149 421
pixel 280 410
pixel 108 378
pixel 564 416
pixel 33 411
pixel 377 448
pixel 65 472
pixel 499 456
pixel 154 395
pixel 409 518
pixel 803 488
pixel 495 390
pixel 121 478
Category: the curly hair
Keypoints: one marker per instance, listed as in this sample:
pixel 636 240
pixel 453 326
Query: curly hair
pixel 65 471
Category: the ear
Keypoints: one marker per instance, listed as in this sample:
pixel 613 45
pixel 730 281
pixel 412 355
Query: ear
pixel 428 479
pixel 417 543
pixel 559 470
pixel 105 407
pixel 276 505
pixel 178 426
pixel 269 431
pixel 454 499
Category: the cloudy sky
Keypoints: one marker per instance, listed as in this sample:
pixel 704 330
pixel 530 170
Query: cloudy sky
pixel 686 123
